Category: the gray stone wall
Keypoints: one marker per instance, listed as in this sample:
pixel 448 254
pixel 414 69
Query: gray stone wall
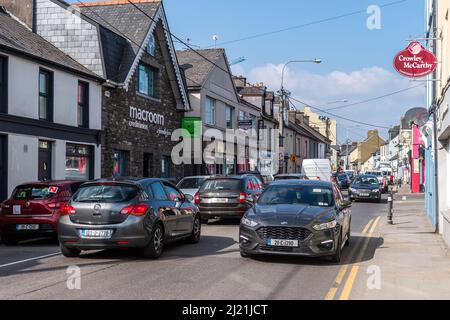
pixel 70 33
pixel 118 135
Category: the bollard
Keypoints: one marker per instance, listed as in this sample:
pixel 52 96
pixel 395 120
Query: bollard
pixel 391 207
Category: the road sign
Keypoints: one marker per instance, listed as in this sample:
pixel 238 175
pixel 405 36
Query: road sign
pixel 294 158
pixel 415 61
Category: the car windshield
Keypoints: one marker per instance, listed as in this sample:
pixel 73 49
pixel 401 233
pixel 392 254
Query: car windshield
pixel 106 193
pixel 366 180
pixel 221 184
pixel 294 194
pixel 191 183
pixel 34 192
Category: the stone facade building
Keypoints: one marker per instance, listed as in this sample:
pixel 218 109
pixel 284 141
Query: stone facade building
pixel 144 97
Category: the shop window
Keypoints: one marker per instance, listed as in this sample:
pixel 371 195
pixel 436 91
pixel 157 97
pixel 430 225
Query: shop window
pixel 3 84
pixel 147 80
pixel 45 95
pixel 78 162
pixel 83 105
pixel 120 163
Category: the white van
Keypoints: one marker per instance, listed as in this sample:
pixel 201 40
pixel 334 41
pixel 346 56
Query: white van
pixel 317 169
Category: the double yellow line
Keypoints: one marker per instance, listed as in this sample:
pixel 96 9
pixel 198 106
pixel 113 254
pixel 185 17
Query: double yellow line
pixel 348 286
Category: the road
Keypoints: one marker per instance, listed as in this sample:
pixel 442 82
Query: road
pixel 212 269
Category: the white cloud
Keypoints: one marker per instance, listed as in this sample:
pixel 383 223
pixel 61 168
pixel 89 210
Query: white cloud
pixel 318 90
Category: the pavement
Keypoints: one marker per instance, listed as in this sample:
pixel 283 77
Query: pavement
pixel 411 261
pixel 401 261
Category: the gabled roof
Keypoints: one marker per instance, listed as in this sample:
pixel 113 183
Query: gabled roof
pixel 19 39
pixel 125 31
pixel 201 68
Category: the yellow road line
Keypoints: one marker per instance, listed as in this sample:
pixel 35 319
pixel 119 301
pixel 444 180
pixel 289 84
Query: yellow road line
pixel 343 270
pixel 354 272
pixel 349 284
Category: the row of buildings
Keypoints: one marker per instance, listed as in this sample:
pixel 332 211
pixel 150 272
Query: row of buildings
pixel 98 89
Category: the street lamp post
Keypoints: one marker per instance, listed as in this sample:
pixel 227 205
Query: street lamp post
pixel 283 99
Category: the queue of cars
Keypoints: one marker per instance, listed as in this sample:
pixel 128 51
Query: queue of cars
pixel 292 215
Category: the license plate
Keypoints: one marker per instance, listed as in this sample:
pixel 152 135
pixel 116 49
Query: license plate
pixel 96 234
pixel 25 227
pixel 364 194
pixel 219 200
pixel 282 243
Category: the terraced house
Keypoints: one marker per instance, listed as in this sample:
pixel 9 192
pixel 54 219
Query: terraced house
pixel 144 96
pixel 50 109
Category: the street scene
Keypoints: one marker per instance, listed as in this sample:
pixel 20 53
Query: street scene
pixel 173 150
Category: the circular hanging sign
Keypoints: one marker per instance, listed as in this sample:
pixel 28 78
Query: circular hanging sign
pixel 415 61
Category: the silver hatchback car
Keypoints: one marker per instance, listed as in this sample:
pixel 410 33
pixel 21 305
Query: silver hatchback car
pixel 127 213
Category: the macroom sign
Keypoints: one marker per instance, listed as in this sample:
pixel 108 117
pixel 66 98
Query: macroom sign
pixel 415 61
pixel 142 119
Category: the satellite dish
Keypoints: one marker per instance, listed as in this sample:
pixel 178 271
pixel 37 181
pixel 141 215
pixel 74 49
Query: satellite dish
pixel 215 37
pixel 419 116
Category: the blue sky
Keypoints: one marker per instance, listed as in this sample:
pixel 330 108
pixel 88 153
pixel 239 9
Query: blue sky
pixel 357 62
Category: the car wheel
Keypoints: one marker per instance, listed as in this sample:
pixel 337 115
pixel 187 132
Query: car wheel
pixel 379 200
pixel 336 257
pixel 9 241
pixel 155 247
pixel 196 231
pixel 347 242
pixel 69 252
pixel 244 254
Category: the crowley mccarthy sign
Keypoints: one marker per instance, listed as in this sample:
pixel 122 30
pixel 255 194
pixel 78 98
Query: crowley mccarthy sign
pixel 415 61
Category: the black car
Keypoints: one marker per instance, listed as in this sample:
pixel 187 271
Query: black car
pixel 297 217
pixel 291 176
pixel 127 213
pixel 227 196
pixel 365 187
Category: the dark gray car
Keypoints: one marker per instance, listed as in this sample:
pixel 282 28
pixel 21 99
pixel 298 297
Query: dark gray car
pixel 297 217
pixel 127 213
pixel 365 187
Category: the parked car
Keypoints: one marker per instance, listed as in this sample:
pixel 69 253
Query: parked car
pixel 127 213
pixel 365 187
pixel 227 196
pixel 343 181
pixel 317 169
pixel 190 185
pixel 33 210
pixel 306 218
pixel 291 176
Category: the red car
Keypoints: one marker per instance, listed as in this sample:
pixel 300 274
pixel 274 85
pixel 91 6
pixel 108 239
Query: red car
pixel 33 209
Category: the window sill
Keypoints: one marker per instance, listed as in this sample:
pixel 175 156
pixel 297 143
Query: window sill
pixel 144 96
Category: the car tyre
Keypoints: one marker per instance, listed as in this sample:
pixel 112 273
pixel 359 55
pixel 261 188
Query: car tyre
pixel 9 241
pixel 337 256
pixel 155 247
pixel 69 252
pixel 349 235
pixel 196 231
pixel 245 254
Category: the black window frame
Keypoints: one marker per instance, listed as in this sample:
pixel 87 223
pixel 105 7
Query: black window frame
pixel 49 95
pixel 85 106
pixel 3 84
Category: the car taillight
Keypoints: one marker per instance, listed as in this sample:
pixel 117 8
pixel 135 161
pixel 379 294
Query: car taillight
pixel 66 209
pixel 242 197
pixel 135 210
pixel 197 198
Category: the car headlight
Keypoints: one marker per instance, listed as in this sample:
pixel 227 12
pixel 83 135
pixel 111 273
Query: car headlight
pixel 325 226
pixel 352 190
pixel 248 222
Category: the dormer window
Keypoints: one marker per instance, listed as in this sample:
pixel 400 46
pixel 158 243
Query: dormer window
pixel 151 45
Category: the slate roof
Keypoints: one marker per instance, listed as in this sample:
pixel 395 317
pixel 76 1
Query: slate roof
pixel 197 75
pixel 120 21
pixel 18 38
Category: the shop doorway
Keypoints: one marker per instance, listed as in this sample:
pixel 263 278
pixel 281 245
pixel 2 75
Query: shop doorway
pixel 148 166
pixel 45 160
pixel 3 168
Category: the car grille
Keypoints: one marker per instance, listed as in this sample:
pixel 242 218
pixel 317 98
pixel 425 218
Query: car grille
pixel 284 233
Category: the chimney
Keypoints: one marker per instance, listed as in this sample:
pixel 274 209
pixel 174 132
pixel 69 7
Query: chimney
pixel 239 81
pixel 22 9
pixel 372 133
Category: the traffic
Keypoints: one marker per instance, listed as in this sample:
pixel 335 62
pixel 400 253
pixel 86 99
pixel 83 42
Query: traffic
pixel 292 214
